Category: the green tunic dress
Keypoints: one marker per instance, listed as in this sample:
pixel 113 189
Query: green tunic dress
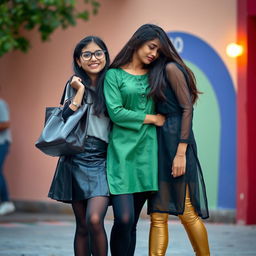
pixel 132 150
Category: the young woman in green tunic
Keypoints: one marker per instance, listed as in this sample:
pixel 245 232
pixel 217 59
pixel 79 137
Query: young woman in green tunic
pixel 132 151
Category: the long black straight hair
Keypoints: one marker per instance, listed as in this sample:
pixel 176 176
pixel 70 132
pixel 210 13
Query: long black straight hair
pixel 99 104
pixel 168 53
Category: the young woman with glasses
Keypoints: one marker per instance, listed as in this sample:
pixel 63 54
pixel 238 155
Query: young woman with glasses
pixel 81 179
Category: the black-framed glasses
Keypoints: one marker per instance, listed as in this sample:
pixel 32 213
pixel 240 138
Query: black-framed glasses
pixel 99 54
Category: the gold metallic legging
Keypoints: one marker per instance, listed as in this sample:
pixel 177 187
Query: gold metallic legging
pixel 158 239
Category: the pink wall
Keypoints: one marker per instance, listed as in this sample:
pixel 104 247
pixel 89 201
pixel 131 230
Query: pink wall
pixel 35 80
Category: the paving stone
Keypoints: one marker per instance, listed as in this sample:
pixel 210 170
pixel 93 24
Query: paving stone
pixel 49 235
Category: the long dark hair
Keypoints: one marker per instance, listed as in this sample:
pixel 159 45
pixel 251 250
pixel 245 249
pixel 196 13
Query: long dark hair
pixel 168 53
pixel 97 95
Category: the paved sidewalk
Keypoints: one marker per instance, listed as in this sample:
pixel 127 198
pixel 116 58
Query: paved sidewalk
pixel 52 235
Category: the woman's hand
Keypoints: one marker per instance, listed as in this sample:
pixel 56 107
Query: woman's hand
pixel 179 165
pixel 160 119
pixel 76 83
pixel 157 120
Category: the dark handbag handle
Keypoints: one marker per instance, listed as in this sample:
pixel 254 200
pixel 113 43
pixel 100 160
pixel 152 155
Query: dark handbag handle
pixel 64 92
pixel 67 86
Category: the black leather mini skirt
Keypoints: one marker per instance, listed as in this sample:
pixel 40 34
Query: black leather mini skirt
pixel 81 176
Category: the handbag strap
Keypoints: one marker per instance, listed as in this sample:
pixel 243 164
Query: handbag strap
pixel 64 93
pixel 67 93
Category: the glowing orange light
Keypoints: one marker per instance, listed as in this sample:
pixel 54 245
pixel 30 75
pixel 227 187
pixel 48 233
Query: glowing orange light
pixel 234 50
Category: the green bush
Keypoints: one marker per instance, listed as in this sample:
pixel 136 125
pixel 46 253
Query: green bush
pixel 44 15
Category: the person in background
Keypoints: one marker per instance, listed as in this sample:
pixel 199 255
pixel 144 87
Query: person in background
pixel 6 206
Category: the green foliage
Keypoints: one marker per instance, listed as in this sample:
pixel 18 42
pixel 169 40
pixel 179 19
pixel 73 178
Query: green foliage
pixel 44 15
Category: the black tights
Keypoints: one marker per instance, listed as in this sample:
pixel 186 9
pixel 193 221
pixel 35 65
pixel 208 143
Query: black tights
pixel 90 233
pixel 127 210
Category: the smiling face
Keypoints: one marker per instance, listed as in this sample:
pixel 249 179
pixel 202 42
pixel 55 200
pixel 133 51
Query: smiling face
pixel 149 51
pixel 92 59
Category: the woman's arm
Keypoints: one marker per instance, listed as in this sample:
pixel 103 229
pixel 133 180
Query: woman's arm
pixel 157 120
pixel 4 125
pixel 4 116
pixel 118 113
pixel 69 109
pixel 179 161
pixel 182 93
pixel 76 83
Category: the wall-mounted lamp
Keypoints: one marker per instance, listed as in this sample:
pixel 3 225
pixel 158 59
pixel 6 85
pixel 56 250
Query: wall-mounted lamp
pixel 234 50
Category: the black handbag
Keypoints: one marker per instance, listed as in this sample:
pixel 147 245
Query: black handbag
pixel 65 137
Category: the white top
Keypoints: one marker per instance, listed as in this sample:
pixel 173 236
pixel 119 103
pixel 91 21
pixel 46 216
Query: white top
pixel 5 135
pixel 98 127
